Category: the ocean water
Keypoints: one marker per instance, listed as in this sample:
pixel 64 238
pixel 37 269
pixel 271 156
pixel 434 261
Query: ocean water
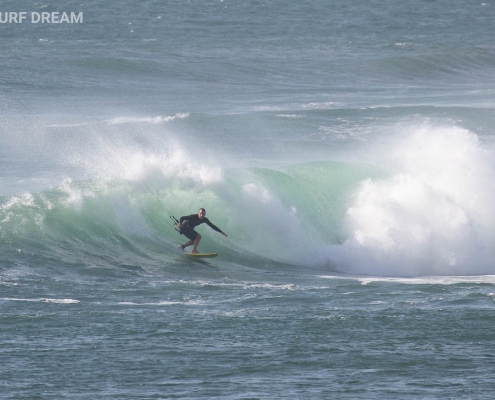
pixel 346 148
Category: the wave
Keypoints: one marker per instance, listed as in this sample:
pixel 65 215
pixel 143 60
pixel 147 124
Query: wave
pixel 151 120
pixel 269 214
pixel 421 205
pixel 125 120
pixel 44 300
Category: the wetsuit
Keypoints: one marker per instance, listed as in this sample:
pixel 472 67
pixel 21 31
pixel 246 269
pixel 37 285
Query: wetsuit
pixel 190 222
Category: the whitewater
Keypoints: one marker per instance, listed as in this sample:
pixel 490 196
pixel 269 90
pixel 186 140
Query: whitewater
pixel 346 149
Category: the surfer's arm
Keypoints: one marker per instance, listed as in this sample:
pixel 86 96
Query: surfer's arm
pixel 214 227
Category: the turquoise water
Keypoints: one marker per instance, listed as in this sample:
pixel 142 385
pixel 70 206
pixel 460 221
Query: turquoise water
pixel 347 149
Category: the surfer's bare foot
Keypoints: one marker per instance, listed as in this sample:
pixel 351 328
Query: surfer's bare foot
pixel 182 247
pixel 195 252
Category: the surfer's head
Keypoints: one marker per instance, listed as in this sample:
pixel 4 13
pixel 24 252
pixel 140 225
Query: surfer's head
pixel 201 213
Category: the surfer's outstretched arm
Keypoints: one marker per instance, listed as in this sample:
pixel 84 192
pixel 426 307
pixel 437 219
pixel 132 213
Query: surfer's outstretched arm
pixel 214 227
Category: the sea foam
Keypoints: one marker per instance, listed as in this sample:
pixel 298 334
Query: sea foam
pixel 433 215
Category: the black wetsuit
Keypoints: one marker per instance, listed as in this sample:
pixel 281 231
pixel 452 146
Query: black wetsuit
pixel 190 222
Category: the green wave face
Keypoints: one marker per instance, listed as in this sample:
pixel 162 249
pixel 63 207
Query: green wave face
pixel 268 213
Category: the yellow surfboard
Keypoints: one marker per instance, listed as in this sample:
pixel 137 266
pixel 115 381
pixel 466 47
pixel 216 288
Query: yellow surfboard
pixel 201 255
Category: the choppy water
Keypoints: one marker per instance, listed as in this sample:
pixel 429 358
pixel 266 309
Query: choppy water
pixel 347 149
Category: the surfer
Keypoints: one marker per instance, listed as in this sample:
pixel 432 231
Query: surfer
pixel 188 223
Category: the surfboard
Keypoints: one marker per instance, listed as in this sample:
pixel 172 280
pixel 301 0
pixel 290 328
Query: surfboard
pixel 202 255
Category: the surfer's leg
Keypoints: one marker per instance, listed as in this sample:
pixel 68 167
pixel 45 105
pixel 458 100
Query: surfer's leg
pixel 183 246
pixel 191 234
pixel 196 242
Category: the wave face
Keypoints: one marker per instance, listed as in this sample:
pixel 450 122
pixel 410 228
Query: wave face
pixel 271 214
